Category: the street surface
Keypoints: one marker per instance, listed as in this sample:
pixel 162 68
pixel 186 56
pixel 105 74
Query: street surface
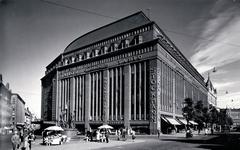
pixel 144 142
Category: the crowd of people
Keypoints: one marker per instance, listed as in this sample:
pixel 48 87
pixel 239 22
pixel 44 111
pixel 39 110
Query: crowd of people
pixel 22 139
pixel 102 135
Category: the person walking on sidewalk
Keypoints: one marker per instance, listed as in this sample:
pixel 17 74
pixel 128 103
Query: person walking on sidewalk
pixel 30 139
pixel 118 134
pixel 133 135
pixel 107 136
pixel 15 139
pixel 158 132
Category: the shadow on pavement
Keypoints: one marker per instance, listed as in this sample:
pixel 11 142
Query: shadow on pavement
pixel 213 142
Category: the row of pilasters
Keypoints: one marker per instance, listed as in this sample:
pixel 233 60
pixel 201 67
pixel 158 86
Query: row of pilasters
pixel 69 97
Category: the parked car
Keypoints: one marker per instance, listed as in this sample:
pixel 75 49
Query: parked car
pixel 53 138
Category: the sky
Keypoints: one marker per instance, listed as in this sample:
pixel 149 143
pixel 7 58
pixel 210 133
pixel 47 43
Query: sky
pixel 34 32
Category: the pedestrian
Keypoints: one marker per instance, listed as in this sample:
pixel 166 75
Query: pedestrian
pixel 158 132
pixel 118 134
pixel 206 131
pixel 24 143
pixel 107 136
pixel 98 135
pixel 15 139
pixel 21 135
pixel 133 135
pixel 30 139
pixel 124 134
pixel 199 129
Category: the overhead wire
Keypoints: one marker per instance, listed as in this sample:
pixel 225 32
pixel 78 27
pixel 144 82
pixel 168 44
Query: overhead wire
pixel 115 18
pixel 77 9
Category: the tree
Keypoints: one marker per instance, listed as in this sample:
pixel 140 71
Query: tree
pixel 199 114
pixel 224 119
pixel 229 121
pixel 213 115
pixel 188 111
pixel 206 116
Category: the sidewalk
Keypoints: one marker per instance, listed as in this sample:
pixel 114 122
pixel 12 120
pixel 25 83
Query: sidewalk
pixel 78 142
pixel 81 144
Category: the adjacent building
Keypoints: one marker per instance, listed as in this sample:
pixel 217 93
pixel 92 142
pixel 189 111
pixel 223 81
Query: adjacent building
pixel 18 109
pixel 5 105
pixel 28 116
pixel 126 74
pixel 212 93
pixel 235 115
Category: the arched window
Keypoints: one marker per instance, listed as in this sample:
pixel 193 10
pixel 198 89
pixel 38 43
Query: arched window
pixel 105 50
pixel 97 52
pixel 65 61
pixel 73 59
pixel 87 55
pixel 80 57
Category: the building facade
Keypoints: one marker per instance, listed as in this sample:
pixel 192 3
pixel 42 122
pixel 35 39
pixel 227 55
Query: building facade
pixel 235 115
pixel 28 116
pixel 18 109
pixel 212 93
pixel 5 105
pixel 126 74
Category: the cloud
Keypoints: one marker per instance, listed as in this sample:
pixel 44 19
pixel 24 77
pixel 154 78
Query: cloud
pixel 224 84
pixel 231 100
pixel 220 37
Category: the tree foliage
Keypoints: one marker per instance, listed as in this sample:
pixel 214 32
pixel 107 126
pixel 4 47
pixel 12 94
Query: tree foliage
pixel 201 114
pixel 224 119
pixel 188 110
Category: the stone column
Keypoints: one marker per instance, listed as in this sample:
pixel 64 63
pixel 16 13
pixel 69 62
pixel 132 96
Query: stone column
pixel 77 99
pixel 58 99
pixel 100 96
pixel 70 99
pixel 145 90
pixel 83 98
pixel 140 92
pixel 174 95
pixel 93 97
pixel 72 96
pixel 80 106
pixel 127 95
pixel 159 70
pixel 106 96
pixel 97 97
pixel 65 99
pixel 135 93
pixel 120 93
pixel 116 94
pixel 112 93
pixel 154 95
pixel 87 100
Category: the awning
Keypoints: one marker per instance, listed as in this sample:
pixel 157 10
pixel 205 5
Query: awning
pixel 164 119
pixel 172 121
pixel 183 121
pixel 193 122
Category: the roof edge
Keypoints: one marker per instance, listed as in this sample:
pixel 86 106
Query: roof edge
pixel 139 12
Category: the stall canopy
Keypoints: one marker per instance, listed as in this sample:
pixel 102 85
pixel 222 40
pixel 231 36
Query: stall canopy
pixel 193 122
pixel 172 121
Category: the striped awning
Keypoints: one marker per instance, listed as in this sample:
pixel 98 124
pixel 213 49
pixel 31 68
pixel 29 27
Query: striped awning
pixel 164 119
pixel 193 122
pixel 172 121
pixel 183 121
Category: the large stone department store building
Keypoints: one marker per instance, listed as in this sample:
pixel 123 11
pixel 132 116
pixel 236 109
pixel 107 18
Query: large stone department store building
pixel 126 74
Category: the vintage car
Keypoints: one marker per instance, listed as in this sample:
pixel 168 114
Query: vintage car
pixel 58 140
pixel 53 138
